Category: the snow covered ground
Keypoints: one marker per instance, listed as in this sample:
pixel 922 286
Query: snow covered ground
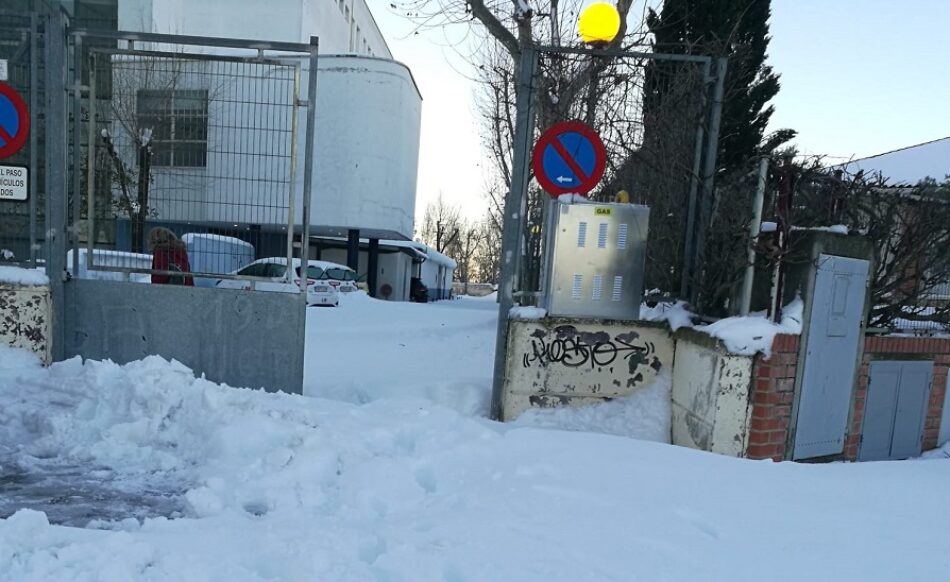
pixel 388 471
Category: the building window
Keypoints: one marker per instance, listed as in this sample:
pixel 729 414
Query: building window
pixel 179 123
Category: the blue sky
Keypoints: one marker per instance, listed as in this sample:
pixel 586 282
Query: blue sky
pixel 859 77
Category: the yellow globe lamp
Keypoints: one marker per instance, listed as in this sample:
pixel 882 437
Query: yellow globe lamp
pixel 599 23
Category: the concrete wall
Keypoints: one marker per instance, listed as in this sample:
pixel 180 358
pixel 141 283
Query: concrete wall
pixel 366 150
pixel 367 129
pixel 711 405
pixel 555 362
pixel 336 22
pixel 25 318
pixel 369 114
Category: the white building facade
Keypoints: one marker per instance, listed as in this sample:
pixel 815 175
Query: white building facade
pixel 368 116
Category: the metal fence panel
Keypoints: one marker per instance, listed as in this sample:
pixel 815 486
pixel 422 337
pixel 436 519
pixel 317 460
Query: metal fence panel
pixel 196 144
pixel 22 222
pixel 251 340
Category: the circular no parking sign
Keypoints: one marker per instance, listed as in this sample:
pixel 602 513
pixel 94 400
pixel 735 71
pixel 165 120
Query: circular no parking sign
pixel 569 158
pixel 14 121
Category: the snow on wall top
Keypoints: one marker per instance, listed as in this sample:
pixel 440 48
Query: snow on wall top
pixel 20 276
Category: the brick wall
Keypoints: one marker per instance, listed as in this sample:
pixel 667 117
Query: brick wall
pixel 773 391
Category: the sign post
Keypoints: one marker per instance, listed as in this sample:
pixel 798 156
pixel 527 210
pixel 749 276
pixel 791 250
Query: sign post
pixel 569 158
pixel 14 121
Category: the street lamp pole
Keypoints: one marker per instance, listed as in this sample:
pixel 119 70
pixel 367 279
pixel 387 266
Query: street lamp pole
pixel 513 221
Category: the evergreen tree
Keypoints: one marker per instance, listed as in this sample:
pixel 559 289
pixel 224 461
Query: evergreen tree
pixel 739 30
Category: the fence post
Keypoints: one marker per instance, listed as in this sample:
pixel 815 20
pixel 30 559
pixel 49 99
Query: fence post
pixel 513 221
pixel 308 151
pixel 56 199
pixel 689 239
pixel 709 176
pixel 745 299
pixel 34 123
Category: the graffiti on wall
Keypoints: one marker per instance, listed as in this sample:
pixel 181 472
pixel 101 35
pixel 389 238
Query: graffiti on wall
pixel 599 351
pixel 23 318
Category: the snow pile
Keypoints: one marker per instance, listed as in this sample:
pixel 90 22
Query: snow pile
pixel 675 314
pixel 281 487
pixel 751 334
pixel 644 415
pixel 523 312
pixel 367 349
pixel 938 453
pixel 13 359
pixel 25 277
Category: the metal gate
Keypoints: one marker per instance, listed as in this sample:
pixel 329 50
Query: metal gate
pixel 893 427
pixel 831 356
pixel 22 221
pixel 167 134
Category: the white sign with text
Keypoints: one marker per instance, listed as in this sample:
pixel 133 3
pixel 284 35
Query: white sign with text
pixel 14 183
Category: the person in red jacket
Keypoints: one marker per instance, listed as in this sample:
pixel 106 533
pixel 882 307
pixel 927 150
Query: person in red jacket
pixel 168 254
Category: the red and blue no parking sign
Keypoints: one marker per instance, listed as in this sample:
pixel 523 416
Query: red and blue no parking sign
pixel 14 121
pixel 569 158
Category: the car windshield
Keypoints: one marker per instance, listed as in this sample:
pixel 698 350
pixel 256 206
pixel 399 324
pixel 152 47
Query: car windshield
pixel 340 274
pixel 312 272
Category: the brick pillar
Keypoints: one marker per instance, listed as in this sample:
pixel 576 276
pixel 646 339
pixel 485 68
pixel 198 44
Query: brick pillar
pixel 773 391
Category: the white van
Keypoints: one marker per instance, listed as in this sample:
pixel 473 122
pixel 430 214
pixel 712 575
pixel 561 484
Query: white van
pixel 110 258
pixel 214 253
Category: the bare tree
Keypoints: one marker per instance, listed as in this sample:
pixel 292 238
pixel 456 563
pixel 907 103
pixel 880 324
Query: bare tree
pixel 464 250
pixel 139 112
pixel 487 259
pixel 440 225
pixel 909 227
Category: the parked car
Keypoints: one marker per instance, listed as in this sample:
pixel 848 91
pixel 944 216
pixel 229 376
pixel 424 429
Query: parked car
pixel 418 292
pixel 319 291
pixel 340 277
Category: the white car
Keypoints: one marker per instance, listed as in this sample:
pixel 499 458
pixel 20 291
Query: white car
pixel 340 277
pixel 319 292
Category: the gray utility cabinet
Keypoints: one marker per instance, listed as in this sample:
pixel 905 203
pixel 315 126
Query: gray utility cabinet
pixel 833 335
pixel 893 427
pixel 596 259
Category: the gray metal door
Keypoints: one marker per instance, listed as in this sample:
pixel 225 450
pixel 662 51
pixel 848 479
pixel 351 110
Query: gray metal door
pixel 831 353
pixel 895 410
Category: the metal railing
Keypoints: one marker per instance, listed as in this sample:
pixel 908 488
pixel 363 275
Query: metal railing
pixel 188 149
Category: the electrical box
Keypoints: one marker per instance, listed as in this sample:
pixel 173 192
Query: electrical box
pixel 595 260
